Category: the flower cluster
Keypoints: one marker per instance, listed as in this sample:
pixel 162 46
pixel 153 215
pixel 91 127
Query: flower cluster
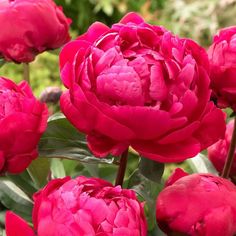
pixel 138 84
pixel 82 206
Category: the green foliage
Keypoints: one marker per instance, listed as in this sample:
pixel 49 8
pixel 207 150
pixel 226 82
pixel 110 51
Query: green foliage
pixel 62 140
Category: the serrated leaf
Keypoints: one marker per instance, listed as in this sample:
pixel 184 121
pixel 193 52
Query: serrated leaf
pixel 15 199
pixel 151 169
pixel 62 140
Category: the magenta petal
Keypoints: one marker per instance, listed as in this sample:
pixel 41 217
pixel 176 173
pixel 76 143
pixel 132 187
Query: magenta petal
pixel 69 51
pixel 207 133
pixel 96 30
pixel 101 146
pixel 132 17
pixel 84 114
pixel 175 152
pixel 146 122
pixel 16 226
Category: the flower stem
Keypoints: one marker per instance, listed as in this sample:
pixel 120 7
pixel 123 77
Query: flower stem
pixel 230 156
pixel 26 72
pixel 122 168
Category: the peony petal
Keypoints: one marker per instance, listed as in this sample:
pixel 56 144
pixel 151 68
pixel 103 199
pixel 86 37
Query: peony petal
pixel 132 17
pixel 86 116
pixel 177 152
pixel 102 146
pixel 95 31
pixel 16 226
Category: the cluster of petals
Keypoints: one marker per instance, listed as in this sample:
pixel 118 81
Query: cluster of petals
pixel 222 55
pixel 138 85
pixel 23 119
pixel 82 206
pixel 197 205
pixel 29 27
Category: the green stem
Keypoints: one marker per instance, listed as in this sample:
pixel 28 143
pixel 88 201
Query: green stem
pixel 26 72
pixel 122 167
pixel 230 156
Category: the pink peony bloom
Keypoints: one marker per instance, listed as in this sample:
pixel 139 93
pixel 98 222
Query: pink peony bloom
pixel 138 84
pixel 197 205
pixel 222 55
pixel 29 27
pixel 217 153
pixel 82 206
pixel 23 119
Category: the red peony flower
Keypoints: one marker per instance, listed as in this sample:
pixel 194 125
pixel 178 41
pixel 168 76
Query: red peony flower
pixel 217 153
pixel 82 206
pixel 222 55
pixel 23 119
pixel 29 27
pixel 138 84
pixel 197 205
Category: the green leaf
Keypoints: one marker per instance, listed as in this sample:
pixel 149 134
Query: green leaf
pixel 57 168
pixel 62 140
pixel 2 62
pixel 39 170
pixel 148 191
pixel 15 199
pixel 151 169
pixel 201 164
pixel 24 182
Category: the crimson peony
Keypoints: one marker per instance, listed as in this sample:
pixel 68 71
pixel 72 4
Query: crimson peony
pixel 82 206
pixel 222 55
pixel 23 119
pixel 29 27
pixel 197 205
pixel 138 84
pixel 217 152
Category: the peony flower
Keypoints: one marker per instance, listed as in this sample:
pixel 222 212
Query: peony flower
pixel 31 28
pixel 197 205
pixel 217 153
pixel 82 206
pixel 23 119
pixel 222 55
pixel 138 84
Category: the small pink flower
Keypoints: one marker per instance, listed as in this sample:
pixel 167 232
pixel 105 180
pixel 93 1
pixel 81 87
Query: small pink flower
pixel 83 206
pixel 222 55
pixel 217 153
pixel 197 205
pixel 29 27
pixel 23 119
pixel 138 84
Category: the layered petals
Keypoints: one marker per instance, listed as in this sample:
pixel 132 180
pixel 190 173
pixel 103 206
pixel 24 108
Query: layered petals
pixel 82 206
pixel 197 204
pixel 23 119
pixel 223 67
pixel 23 35
pixel 138 85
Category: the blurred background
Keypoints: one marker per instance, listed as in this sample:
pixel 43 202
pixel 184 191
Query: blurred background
pixel 195 19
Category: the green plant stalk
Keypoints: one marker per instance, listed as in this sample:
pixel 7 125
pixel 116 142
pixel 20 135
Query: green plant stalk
pixel 230 155
pixel 26 72
pixel 122 167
